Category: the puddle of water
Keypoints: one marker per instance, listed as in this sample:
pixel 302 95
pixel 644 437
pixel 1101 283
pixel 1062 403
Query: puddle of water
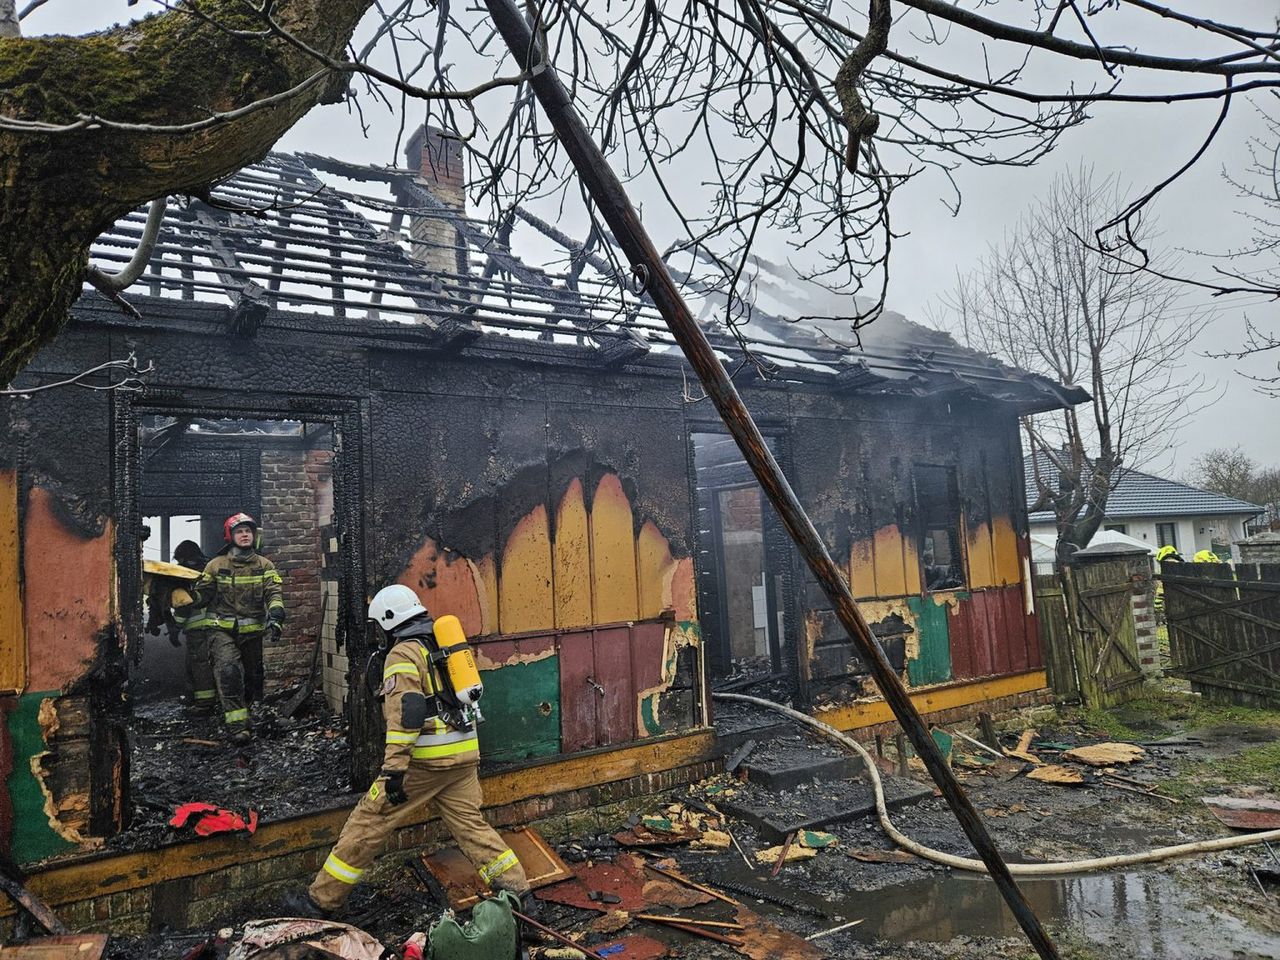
pixel 1142 914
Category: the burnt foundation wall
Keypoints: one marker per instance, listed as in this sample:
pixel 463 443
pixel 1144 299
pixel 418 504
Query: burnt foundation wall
pixel 547 504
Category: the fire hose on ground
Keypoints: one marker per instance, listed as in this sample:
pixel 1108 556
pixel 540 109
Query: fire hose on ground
pixel 977 866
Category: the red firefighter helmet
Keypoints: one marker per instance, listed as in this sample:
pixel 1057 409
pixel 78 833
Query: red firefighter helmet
pixel 236 520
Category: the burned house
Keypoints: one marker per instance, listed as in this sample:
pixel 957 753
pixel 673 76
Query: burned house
pixel 402 398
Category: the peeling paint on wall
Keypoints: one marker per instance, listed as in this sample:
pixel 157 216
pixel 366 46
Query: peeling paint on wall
pixel 36 838
pixel 677 636
pixel 69 584
pixel 593 567
pixel 993 554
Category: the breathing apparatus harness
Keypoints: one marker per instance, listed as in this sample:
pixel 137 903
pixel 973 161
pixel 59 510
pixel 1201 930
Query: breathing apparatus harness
pixel 455 677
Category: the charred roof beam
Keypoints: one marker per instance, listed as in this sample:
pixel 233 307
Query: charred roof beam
pixel 454 332
pixel 250 302
pixel 500 259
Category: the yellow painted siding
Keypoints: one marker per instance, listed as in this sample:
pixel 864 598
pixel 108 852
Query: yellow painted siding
pixel 572 560
pixel 891 574
pixel 13 640
pixel 487 584
pixel 1004 548
pixel 613 553
pixel 654 571
pixel 524 585
pixel 862 571
pixel 981 560
pixel 911 565
pixel 868 713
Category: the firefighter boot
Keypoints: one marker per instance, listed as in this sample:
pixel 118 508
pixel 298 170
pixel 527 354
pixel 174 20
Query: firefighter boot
pixel 298 903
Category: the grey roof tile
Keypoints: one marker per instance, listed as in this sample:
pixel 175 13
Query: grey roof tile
pixel 1138 494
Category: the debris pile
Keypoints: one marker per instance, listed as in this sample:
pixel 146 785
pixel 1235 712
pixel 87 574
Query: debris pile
pixel 294 765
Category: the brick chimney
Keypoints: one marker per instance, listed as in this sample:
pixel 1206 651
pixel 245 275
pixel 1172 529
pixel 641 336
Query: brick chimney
pixel 438 160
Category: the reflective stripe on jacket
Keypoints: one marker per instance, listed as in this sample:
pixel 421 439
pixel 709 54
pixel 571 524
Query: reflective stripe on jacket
pixel 435 743
pixel 240 594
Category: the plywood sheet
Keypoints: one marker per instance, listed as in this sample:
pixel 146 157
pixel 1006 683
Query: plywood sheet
pixel 1106 754
pixel 1246 813
pixel 933 662
pixel 616 710
pixel 542 867
pixel 68 582
pixel 655 569
pixel 578 699
pixel 521 703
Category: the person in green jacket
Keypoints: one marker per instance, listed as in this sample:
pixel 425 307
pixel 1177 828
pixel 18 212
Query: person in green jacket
pixel 244 598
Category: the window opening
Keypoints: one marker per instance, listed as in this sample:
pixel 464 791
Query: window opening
pixel 939 518
pixel 1118 528
pixel 1167 535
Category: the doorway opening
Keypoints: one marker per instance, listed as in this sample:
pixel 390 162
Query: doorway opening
pixel 743 566
pixel 193 473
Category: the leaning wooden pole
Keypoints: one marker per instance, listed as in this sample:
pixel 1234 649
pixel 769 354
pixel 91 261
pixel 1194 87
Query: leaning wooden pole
pixel 611 200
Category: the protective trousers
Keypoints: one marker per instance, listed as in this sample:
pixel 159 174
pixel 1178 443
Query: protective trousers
pixel 455 792
pixel 228 676
pixel 200 669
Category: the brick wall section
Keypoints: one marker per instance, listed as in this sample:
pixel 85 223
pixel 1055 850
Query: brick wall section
pixel 294 489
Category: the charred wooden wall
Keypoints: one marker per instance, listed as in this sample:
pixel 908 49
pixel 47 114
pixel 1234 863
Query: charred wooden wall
pixel 547 503
pixel 855 464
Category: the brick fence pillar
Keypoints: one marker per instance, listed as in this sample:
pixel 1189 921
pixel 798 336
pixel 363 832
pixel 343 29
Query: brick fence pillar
pixel 1142 576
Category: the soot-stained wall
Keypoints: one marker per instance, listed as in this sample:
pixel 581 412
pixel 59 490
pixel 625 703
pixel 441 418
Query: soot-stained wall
pixel 856 466
pixel 547 504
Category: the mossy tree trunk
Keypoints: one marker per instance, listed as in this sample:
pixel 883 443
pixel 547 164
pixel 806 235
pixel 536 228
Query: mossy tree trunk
pixel 58 191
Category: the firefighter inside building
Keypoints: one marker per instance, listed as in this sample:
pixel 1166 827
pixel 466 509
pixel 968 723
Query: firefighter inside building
pixel 243 598
pixel 194 623
pixel 426 677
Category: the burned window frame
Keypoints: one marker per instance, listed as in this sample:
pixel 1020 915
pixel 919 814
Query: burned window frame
pixel 947 516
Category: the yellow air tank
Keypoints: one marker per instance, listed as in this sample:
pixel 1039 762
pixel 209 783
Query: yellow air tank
pixel 459 664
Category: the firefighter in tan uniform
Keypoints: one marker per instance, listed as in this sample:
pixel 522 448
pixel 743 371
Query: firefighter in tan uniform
pixel 432 758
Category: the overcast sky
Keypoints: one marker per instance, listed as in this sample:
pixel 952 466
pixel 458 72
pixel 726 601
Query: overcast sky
pixel 1141 144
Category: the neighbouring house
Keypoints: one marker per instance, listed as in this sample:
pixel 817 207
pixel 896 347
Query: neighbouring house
pixel 401 397
pixel 1153 511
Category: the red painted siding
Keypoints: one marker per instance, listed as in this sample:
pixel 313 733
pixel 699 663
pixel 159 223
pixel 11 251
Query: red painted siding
pixel 991 635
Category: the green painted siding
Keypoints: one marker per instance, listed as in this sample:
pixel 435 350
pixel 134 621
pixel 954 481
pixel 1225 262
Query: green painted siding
pixel 934 663
pixel 521 707
pixel 33 838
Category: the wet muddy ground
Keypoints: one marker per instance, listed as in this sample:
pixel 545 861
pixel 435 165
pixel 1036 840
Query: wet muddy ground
pixel 1199 908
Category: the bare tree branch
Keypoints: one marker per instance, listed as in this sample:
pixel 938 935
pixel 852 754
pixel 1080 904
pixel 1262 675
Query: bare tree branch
pixel 1048 302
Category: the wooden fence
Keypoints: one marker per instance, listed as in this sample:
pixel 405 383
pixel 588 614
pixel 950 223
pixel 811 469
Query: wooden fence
pixel 1088 633
pixel 1224 630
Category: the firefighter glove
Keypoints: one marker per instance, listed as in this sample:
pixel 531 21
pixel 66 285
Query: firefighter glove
pixel 274 629
pixel 395 787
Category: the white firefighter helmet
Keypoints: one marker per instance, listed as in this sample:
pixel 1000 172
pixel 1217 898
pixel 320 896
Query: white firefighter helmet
pixel 395 605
